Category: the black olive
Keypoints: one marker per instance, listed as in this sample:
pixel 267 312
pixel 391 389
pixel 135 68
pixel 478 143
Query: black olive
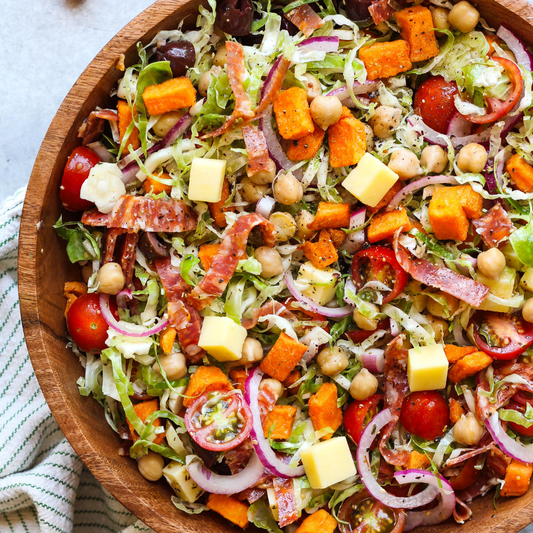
pixel 235 17
pixel 180 54
pixel 357 10
pixel 151 247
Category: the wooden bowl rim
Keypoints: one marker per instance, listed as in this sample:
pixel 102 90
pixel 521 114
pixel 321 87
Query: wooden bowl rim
pixel 27 257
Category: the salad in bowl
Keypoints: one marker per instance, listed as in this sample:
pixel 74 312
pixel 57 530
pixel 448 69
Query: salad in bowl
pixel 304 232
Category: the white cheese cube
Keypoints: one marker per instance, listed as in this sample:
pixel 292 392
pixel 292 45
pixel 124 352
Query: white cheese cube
pixel 427 368
pixel 181 482
pixel 206 179
pixel 222 338
pixel 320 283
pixel 328 462
pixel 370 180
pixel 503 288
pixel 103 187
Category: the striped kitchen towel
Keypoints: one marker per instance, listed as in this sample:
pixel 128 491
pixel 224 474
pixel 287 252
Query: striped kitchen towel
pixel 44 486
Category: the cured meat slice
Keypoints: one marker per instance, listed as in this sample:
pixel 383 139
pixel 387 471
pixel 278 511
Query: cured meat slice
pixel 494 227
pixel 380 10
pixel 112 235
pixel 286 501
pixel 256 146
pixel 305 19
pixel 127 256
pixel 270 308
pixel 273 84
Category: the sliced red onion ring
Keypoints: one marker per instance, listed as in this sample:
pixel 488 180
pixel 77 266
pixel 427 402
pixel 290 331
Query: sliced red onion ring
pixel 511 447
pixel 516 46
pixel 321 44
pixel 420 184
pixel 394 327
pixel 459 126
pixel 265 206
pixel 123 327
pixel 374 360
pixel 358 88
pixel 354 241
pixel 265 453
pixel 371 484
pixel 123 297
pixel 331 312
pixel 434 516
pixel 217 484
pixel 458 332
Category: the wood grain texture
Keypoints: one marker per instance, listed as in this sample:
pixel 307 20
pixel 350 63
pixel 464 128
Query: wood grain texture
pixel 44 267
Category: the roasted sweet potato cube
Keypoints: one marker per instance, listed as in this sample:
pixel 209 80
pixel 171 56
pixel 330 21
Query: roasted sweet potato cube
pixel 323 410
pixel 383 60
pixel 292 114
pixel 321 253
pixel 346 140
pixel 205 379
pixel 283 357
pixel 416 25
pixel 517 477
pixel 454 353
pixel 170 95
pixel 230 508
pixel 125 118
pixel 418 461
pixel 521 173
pixel 468 366
pixel 330 216
pixel 385 225
pixel 279 421
pixel 456 411
pixel 217 209
pixel 306 147
pixel 206 254
pixel 144 410
pixel 319 522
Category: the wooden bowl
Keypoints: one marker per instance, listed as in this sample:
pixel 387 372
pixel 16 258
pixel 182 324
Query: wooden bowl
pixel 44 267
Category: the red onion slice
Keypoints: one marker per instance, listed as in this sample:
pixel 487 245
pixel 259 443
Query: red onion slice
pixel 371 484
pixel 394 327
pixel 321 44
pixel 420 184
pixel 434 516
pixel 358 88
pixel 354 241
pixel 217 484
pixel 331 312
pixel 123 327
pixel 374 360
pixel 123 297
pixel 511 447
pixel 266 454
pixel 523 57
pixel 459 126
pixel 265 206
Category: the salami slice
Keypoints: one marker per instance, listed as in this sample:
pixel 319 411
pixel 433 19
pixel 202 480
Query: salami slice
pixel 286 501
pixel 380 10
pixel 494 227
pixel 305 19
pixel 256 146
pixel 270 308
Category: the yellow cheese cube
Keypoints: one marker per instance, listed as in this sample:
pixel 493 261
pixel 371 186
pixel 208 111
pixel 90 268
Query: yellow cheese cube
pixel 328 462
pixel 206 179
pixel 180 480
pixel 370 180
pixel 427 368
pixel 222 338
pixel 320 283
pixel 503 288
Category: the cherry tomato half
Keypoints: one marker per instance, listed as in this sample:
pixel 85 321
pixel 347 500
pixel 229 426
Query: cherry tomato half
pixel 357 336
pixel 425 414
pixel 358 415
pixel 526 432
pixel 85 322
pixel 76 171
pixel 466 476
pixel 501 336
pixel 362 513
pixel 378 263
pixel 219 420
pixel 434 102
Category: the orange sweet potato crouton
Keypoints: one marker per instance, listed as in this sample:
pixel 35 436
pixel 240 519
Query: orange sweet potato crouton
pixel 346 140
pixel 230 508
pixel 170 95
pixel 468 366
pixel 330 216
pixel 144 410
pixel 282 418
pixel 521 173
pixel 152 186
pixel 386 224
pixel 517 477
pixel 418 461
pixel 321 253
pixel 205 379
pixel 238 377
pixel 294 376
pixel 292 114
pixel 383 60
pixel 206 254
pixel 72 290
pixel 283 357
pixel 323 410
pixel 319 522
pixel 217 209
pixel 454 353
pixel 125 118
pixel 307 146
pixel 416 25
pixel 167 338
pixel 456 411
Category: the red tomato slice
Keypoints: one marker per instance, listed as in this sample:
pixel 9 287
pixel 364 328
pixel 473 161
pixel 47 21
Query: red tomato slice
pixel 496 108
pixel 76 171
pixel 518 428
pixel 501 336
pixel 466 476
pixel 358 415
pixel 219 420
pixel 379 263
pixel 359 335
pixel 425 414
pixel 434 102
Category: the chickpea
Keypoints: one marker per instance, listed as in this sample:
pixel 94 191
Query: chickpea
pixel 440 18
pixel 405 164
pixel 472 158
pixel 527 311
pixel 252 352
pixel 439 327
pixel 434 158
pixel 251 192
pixel 303 219
pixel 491 263
pixel 205 80
pixel 312 86
pixel 468 430
pixel 287 189
pixel 326 111
pixel 151 466
pixel 440 311
pixel 414 288
pixel 265 176
pixel 274 385
pixel 385 121
pixel 332 360
pixel 364 385
pixel 166 122
pixel 284 224
pixel 463 17
pixel 369 132
pixel 270 260
pixel 110 278
pixel 174 365
pixel 221 56
pixel 87 272
pixel 364 323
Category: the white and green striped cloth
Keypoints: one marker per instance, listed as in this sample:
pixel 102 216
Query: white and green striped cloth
pixel 44 486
